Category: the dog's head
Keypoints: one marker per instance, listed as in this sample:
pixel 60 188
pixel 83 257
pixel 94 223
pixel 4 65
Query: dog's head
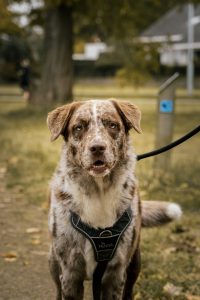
pixel 95 132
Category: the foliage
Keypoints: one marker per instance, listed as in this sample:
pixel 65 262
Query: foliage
pixel 13 43
pixel 118 20
pixel 12 50
pixel 7 24
pixel 139 62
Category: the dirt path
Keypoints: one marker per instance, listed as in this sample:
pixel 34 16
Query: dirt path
pixel 24 273
pixel 24 242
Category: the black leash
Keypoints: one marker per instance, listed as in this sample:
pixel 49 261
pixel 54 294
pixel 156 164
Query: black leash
pixel 171 145
pixel 97 278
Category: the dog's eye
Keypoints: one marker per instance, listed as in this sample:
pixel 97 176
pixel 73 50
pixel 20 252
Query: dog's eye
pixel 113 125
pixel 78 127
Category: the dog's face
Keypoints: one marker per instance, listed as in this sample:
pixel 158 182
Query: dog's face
pixel 95 132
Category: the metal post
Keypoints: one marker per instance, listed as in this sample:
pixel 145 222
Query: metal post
pixel 190 63
pixel 165 122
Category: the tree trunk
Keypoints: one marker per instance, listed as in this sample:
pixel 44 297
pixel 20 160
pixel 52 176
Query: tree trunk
pixel 57 72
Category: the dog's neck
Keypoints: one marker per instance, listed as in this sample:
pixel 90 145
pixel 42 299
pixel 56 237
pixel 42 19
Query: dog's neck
pixel 100 200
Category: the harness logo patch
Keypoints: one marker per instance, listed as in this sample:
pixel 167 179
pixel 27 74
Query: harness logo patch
pixel 105 246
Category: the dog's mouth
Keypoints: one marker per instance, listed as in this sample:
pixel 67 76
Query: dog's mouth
pixel 98 167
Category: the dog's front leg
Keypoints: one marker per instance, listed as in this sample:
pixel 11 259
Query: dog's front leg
pixel 72 275
pixel 133 271
pixel 72 286
pixel 113 283
pixel 55 272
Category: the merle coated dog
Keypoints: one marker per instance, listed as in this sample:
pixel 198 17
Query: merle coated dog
pixel 95 180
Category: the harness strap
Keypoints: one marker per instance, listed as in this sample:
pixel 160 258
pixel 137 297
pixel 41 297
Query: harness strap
pixel 97 279
pixel 104 241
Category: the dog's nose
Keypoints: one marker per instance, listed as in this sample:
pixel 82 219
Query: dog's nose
pixel 98 149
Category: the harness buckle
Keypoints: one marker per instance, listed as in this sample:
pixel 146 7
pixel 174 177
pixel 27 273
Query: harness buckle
pixel 105 233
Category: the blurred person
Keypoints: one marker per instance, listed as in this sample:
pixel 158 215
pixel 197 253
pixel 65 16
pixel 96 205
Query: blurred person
pixel 24 78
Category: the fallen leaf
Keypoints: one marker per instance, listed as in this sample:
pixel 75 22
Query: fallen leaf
pixel 36 242
pixel 45 205
pixel 6 200
pixel 192 297
pixel 172 290
pixel 137 296
pixel 14 160
pixel 3 170
pixel 186 247
pixel 10 256
pixel 184 185
pixel 170 250
pixel 10 259
pixel 40 253
pixel 36 236
pixel 143 193
pixel 33 230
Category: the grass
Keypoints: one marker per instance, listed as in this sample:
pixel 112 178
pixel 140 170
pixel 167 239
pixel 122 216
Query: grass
pixel 112 89
pixel 87 89
pixel 28 156
pixel 169 254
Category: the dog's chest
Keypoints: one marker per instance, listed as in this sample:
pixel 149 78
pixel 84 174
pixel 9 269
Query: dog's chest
pixel 98 210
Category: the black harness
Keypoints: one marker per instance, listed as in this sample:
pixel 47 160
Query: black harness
pixel 104 242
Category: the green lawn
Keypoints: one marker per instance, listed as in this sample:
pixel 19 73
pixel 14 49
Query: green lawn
pixel 85 89
pixel 170 254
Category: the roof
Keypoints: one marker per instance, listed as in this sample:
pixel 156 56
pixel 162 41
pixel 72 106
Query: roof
pixel 172 25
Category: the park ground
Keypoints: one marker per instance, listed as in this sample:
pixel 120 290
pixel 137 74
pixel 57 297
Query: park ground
pixel 170 254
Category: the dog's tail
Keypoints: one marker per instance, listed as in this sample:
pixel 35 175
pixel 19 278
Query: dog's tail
pixel 156 213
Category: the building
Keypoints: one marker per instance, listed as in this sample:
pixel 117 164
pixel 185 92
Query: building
pixel 170 32
pixel 91 52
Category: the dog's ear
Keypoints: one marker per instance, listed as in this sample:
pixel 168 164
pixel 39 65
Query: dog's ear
pixel 58 119
pixel 130 114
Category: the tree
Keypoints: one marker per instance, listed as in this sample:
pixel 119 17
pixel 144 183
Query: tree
pixel 13 44
pixel 109 19
pixel 57 72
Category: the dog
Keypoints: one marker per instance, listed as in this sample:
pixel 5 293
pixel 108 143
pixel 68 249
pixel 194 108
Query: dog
pixel 95 181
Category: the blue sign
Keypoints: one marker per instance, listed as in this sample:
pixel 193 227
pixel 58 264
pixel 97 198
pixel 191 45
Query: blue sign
pixel 166 106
